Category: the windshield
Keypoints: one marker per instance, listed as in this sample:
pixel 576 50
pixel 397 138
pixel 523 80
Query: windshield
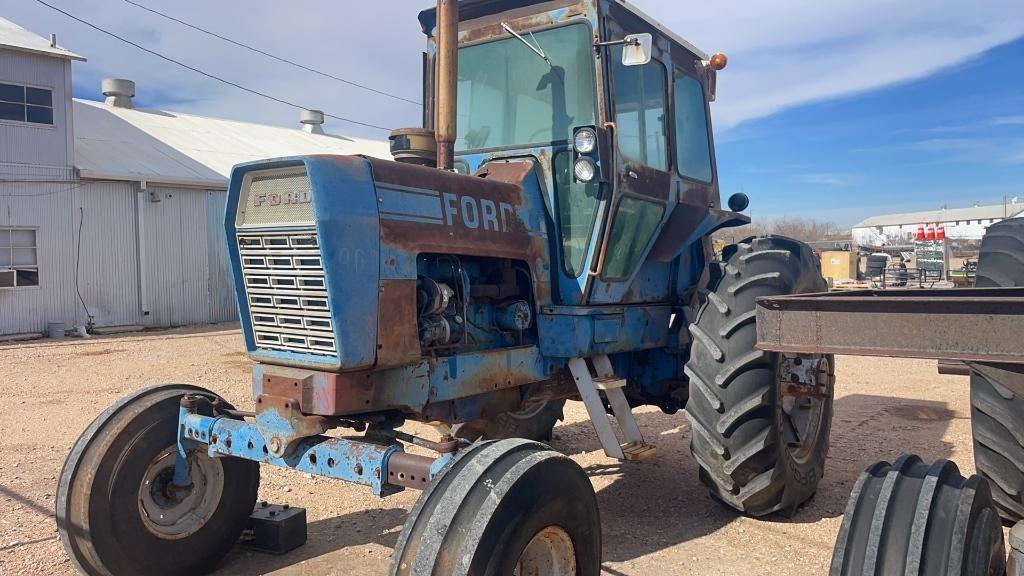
pixel 508 95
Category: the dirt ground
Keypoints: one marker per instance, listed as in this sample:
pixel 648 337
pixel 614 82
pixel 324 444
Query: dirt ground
pixel 656 517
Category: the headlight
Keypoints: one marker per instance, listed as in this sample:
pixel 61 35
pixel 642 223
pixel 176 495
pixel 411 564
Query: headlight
pixel 584 169
pixel 585 141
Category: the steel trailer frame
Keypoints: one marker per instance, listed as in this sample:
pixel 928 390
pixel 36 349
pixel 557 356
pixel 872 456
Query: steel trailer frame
pixel 972 325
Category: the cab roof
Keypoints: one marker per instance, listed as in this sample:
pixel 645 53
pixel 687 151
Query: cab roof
pixel 473 9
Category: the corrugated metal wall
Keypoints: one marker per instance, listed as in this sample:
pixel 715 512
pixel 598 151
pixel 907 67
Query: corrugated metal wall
pixel 187 278
pixel 162 257
pixel 182 257
pixel 42 145
pixel 222 297
pixel 48 208
pixel 108 275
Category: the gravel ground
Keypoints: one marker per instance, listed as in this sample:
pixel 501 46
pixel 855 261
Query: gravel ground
pixel 656 517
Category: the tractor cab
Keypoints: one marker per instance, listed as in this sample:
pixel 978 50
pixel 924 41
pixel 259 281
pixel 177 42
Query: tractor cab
pixel 613 108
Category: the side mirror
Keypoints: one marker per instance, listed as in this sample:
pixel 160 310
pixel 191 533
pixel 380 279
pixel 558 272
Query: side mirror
pixel 636 49
pixel 738 202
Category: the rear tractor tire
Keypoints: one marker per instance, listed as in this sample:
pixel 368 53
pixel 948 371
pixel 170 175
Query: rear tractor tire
pixel 759 438
pixel 117 511
pixel 915 519
pixel 997 390
pixel 505 507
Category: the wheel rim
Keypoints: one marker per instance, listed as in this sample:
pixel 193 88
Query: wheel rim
pixel 171 513
pixel 802 416
pixel 549 553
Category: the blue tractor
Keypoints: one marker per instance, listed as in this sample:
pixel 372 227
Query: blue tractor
pixel 544 237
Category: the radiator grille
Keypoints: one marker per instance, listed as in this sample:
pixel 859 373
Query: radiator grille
pixel 287 292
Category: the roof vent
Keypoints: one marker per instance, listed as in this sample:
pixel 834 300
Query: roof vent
pixel 53 40
pixel 119 92
pixel 312 121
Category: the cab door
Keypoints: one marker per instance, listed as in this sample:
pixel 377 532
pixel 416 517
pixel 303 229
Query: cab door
pixel 639 109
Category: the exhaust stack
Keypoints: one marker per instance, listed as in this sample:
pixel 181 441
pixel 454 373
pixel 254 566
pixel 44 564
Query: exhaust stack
pixel 447 81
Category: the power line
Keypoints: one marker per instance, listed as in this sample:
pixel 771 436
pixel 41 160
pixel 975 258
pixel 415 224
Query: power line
pixel 202 72
pixel 269 55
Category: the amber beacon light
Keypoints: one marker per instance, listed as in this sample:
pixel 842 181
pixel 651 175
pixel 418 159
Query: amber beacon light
pixel 718 61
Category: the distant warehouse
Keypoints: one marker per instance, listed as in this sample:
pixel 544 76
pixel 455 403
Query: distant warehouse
pixel 114 214
pixel 960 223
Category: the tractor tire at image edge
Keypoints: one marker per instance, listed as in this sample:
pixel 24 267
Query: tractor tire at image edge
pixel 116 512
pixel 997 390
pixel 915 519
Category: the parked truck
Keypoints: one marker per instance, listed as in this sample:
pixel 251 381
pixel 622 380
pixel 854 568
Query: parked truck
pixel 551 244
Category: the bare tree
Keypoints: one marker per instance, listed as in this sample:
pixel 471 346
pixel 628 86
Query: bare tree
pixel 800 228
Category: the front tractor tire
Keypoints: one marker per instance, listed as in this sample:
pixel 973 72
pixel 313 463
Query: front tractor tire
pixel 760 443
pixel 117 510
pixel 919 519
pixel 504 507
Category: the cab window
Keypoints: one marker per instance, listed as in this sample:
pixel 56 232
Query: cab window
pixel 640 112
pixel 693 150
pixel 635 223
pixel 577 212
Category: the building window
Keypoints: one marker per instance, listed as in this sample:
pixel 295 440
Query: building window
pixel 19 258
pixel 26 104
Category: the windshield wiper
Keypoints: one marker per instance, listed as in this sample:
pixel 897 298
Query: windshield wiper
pixel 537 49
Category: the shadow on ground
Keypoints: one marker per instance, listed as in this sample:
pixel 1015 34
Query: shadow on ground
pixel 653 505
pixel 650 506
pixel 374 526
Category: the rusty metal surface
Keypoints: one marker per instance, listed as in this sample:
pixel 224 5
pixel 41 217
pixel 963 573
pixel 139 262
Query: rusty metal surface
pixel 984 324
pixel 447 81
pixel 409 470
pixel 412 389
pixel 494 225
pixel 324 393
pixel 397 340
pixel 953 367
pixel 481 20
pixel 280 420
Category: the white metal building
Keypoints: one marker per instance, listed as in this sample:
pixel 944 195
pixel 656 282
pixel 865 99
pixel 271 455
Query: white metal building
pixel 115 210
pixel 960 223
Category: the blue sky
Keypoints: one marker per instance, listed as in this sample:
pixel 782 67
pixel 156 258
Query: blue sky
pixel 829 109
pixel 955 137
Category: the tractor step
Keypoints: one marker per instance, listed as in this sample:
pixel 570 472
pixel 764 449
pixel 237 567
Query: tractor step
pixel 590 387
pixel 609 382
pixel 638 452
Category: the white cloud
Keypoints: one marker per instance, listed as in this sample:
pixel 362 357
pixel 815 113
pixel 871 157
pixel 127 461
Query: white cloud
pixel 797 51
pixel 782 53
pixel 829 179
pixel 1008 121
